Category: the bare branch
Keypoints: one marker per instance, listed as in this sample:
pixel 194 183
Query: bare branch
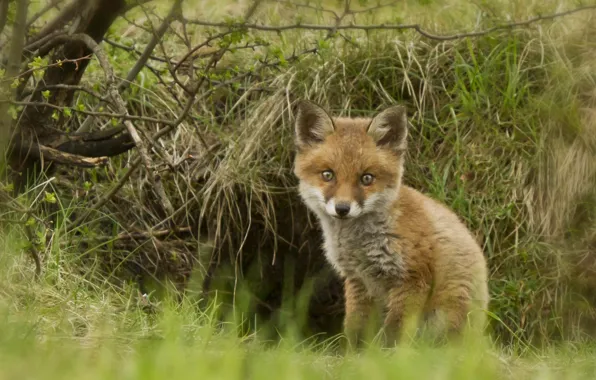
pixel 131 49
pixel 46 153
pixel 91 113
pixel 252 9
pixel 72 87
pixel 39 43
pixel 157 36
pixel 107 196
pixel 199 46
pixel 55 155
pixel 416 27
pixel 26 75
pixel 308 6
pixel 374 8
pixel 33 249
pixel 140 235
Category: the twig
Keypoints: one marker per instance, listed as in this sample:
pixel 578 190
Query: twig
pixel 161 80
pixel 133 50
pixel 252 9
pixel 123 116
pixel 308 6
pixel 107 196
pixel 157 36
pixel 374 8
pixel 139 235
pixel 416 27
pixel 199 46
pixel 33 250
pixel 24 76
pixel 37 44
pixel 69 87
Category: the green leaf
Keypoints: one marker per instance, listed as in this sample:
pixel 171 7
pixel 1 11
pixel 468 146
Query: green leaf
pixel 14 112
pixel 46 94
pixel 50 197
pixel 37 63
pixel 323 44
pixel 15 83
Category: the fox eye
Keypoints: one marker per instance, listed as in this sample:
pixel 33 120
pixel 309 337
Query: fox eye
pixel 367 179
pixel 327 175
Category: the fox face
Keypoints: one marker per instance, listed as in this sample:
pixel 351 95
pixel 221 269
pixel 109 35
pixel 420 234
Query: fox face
pixel 349 167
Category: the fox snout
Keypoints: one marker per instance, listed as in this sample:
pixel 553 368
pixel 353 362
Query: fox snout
pixel 342 209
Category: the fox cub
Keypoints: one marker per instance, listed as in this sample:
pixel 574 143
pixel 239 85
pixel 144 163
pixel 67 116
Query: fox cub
pixel 393 246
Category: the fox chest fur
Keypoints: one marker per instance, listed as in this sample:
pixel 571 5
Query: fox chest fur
pixel 363 250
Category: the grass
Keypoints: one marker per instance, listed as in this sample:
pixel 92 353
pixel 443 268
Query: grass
pixel 65 327
pixel 502 132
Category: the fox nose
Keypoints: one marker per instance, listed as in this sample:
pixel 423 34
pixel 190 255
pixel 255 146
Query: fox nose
pixel 342 209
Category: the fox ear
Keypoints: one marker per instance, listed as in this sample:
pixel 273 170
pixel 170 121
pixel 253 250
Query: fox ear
pixel 313 124
pixel 389 128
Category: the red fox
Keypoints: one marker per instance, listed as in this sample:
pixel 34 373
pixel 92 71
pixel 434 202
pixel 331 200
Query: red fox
pixel 391 244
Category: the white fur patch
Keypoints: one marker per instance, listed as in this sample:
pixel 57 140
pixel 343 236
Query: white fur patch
pixel 312 196
pixel 330 207
pixel 355 210
pixel 377 200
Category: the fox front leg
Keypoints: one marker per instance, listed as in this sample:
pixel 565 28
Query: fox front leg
pixel 358 311
pixel 405 305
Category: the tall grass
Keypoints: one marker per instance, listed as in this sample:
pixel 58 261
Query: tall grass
pixel 70 329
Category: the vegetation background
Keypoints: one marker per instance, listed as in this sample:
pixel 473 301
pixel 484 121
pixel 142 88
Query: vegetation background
pixel 149 216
